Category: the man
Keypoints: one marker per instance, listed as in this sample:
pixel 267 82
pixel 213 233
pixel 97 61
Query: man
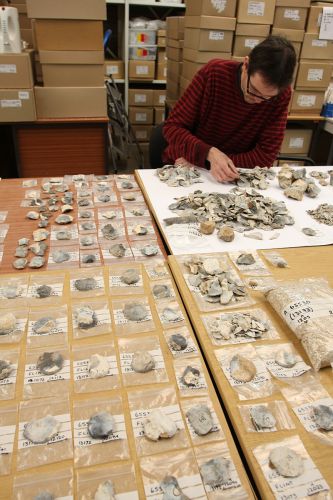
pixel 234 115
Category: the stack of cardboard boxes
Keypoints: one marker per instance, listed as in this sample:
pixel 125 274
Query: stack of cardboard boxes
pixel 69 38
pixel 174 53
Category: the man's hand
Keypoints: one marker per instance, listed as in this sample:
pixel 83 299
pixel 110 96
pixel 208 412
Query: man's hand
pixel 221 166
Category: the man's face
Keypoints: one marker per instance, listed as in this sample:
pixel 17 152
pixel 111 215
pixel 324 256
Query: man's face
pixel 255 88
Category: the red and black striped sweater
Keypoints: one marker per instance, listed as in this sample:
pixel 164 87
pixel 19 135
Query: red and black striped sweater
pixel 212 112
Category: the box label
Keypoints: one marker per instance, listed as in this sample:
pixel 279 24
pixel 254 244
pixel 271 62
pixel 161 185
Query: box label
pixel 326 25
pixel 251 42
pixel 219 5
pixel 315 75
pixel 112 70
pixel 296 142
pixel 8 68
pixel 319 43
pixel 161 99
pixel 140 98
pixel 306 101
pixel 24 95
pixel 11 103
pixel 256 8
pixel 142 70
pixel 141 117
pixel 216 35
pixel 292 14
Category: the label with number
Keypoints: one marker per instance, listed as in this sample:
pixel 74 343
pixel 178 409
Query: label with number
pixel 34 376
pixel 306 415
pixel 7 434
pixel 120 319
pixel 139 416
pixel 81 368
pixel 12 377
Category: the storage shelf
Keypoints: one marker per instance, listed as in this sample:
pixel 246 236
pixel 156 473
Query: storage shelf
pixel 116 1
pixel 159 81
pixel 150 3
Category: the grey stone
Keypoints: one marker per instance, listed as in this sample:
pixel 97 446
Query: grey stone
pixel 87 241
pixel 23 241
pixel 21 252
pixel 117 250
pixel 64 219
pixel 285 358
pixel 105 491
pixel 88 226
pixel 41 430
pixel 38 248
pixel 86 317
pixel 149 250
pixel 7 323
pixel 50 363
pixel 109 232
pixel 63 235
pixel 262 417
pixel 245 259
pixel 66 208
pixel 161 291
pixel 44 495
pixel 140 230
pixel 130 276
pixel 60 256
pixel 308 231
pixel 89 259
pixel 20 263
pixel 11 291
pixel 127 185
pixel 135 311
pixel 200 418
pixel 216 472
pixel 37 262
pixel 44 325
pixel 40 235
pixel 178 342
pixel 170 315
pixel 6 369
pixel 101 425
pixel 43 291
pixel 190 376
pixel 142 362
pixel 323 416
pixel 83 203
pixel 85 214
pixel 85 284
pixel 286 461
pixel 32 215
pixel 105 198
pixel 43 223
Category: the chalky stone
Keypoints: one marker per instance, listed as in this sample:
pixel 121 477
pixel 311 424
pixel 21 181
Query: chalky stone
pixel 127 185
pixel 130 276
pixel 323 416
pixel 44 325
pixel 178 342
pixel 11 291
pixel 171 489
pixel 161 291
pixel 142 362
pixel 216 472
pixel 43 291
pixel 43 223
pixel 86 318
pixel 21 252
pixel 32 215
pixel 87 241
pixel 140 230
pixel 60 256
pixel 207 227
pixel 109 232
pixel 41 430
pixel 226 234
pixel 262 417
pixel 63 235
pixel 200 418
pixel 89 259
pixel 190 376
pixel 44 495
pixel 308 231
pixel 64 219
pixel 211 266
pixel 129 197
pixel 135 311
pixel 149 250
pixel 117 250
pixel 37 262
pixel 23 241
pixel 101 425
pixel 242 369
pixel 7 323
pixel 5 369
pixel 85 284
pixel 245 259
pixel 170 315
pixel 110 214
pixel 40 235
pixel 98 366
pixel 286 461
pixel 38 248
pixel 158 425
pixel 104 198
pixel 66 208
pixel 50 363
pixel 285 358
pixel 138 212
pixel 88 226
pixel 105 491
pixel 83 203
pixel 20 263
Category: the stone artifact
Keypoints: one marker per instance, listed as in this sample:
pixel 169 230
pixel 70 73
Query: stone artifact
pixel 149 250
pixel 142 362
pixel 201 419
pixel 140 230
pixel 7 323
pixel 226 234
pixel 50 363
pixel 308 231
pixel 137 212
pixel 170 315
pixel 83 202
pixel 20 263
pixel 110 214
pixel 238 325
pixel 296 183
pixel 285 358
pixel 44 495
pixel 135 311
pixel 64 219
pixel 38 248
pixel 63 235
pixel 60 256
pixel 161 291
pixel 44 325
pixel 130 276
pixel 117 250
pixel 88 226
pixel 85 284
pixel 178 175
pixel 101 425
pixel 87 241
pixel 245 259
pixel 32 215
pixel 323 214
pixel 6 369
pixel 242 369
pixel 98 366
pixel 178 342
pixel 127 185
pixel 286 461
pixel 185 219
pixel 129 197
pixel 85 214
pixel 323 416
pixel 86 317
pixel 257 177
pixel 262 417
pixel 255 235
pixel 105 198
pixel 216 472
pixel 110 232
pixel 43 291
pixel 21 252
pixel 207 227
pixel 171 489
pixel 105 491
pixel 11 291
pixel 66 208
pixel 37 262
pixel 43 223
pixel 158 425
pixel 89 259
pixel 23 241
pixel 190 377
pixel 41 430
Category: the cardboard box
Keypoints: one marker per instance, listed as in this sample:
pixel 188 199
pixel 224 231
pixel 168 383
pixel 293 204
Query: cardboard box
pixel 294 36
pixel 204 57
pixel 314 48
pixel 24 22
pixel 210 23
pixel 292 164
pixel 71 57
pixel 314 74
pixel 208 40
pixel 142 132
pixel 174 69
pixel 159 97
pixel 174 54
pixel 248 36
pixel 177 44
pixel 256 11
pixel 64 9
pixel 175 27
pixel 159 115
pixel 161 41
pixel 67 35
pixel 73 75
pixel 16 70
pixel 291 14
pixel 141 116
pixel 307 102
pixel 162 33
pixel 28 37
pixel 70 102
pixel 161 56
pixel 315 16
pixel 17 105
pixel 190 69
pixel 140 97
pixel 226 8
pixel 161 71
pixel 173 89
pixel 141 70
pixel 296 141
pixel 116 68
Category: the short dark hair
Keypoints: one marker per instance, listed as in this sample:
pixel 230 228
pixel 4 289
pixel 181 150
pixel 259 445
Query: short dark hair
pixel 275 59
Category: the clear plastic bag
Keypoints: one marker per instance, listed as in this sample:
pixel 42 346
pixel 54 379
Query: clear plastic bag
pixel 239 327
pixel 275 258
pixel 122 281
pixel 90 450
pixel 87 283
pixel 117 251
pixel 122 478
pixel 38 384
pixel 13 323
pixel 45 289
pixel 95 368
pixel 170 313
pixel 259 386
pixel 102 187
pixel 278 409
pixel 13 291
pixel 308 484
pixel 58 447
pixel 90 258
pixel 135 197
pixel 136 210
pixel 255 267
pixel 90 317
pixel 56 484
pixel 154 371
pixel 9 359
pixel 215 434
pixel 162 290
pixel 110 214
pixel 231 488
pixel 106 199
pixel 87 227
pixel 28 183
pixel 271 354
pixel 180 342
pixel 145 250
pixel 140 229
pixel 260 283
pixel 126 184
pixel 115 228
pixel 126 326
pixel 177 468
pixel 142 405
pixel 70 257
pixel 88 241
pixel 8 416
pixel 85 214
pixel 64 236
pixel 191 379
pixel 157 269
pixel 48 328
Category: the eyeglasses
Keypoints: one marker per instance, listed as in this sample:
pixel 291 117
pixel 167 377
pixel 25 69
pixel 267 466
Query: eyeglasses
pixel 258 96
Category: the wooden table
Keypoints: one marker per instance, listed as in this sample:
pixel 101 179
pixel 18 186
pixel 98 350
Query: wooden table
pixel 303 262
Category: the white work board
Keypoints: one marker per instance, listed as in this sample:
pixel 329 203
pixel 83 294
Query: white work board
pixel 182 238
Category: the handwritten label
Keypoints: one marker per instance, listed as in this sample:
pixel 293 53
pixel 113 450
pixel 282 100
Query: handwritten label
pixel 99 283
pixel 306 415
pixel 12 377
pixel 8 68
pixel 33 376
pixel 315 75
pixel 60 328
pixel 302 310
pixel 120 319
pixel 191 487
pixel 103 318
pixel 57 289
pixel 73 257
pixel 256 8
pixel 7 434
pixel 251 42
pixel 292 14
pixel 216 35
pixel 115 281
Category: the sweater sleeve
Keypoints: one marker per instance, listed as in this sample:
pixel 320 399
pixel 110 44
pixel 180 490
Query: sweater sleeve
pixel 178 128
pixel 268 145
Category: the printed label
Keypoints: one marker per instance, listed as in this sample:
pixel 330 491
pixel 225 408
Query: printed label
pixel 140 98
pixel 11 103
pixel 191 487
pixel 142 70
pixel 319 43
pixel 7 434
pixel 82 437
pixel 251 42
pixel 315 75
pixel 306 416
pixel 8 68
pixel 292 14
pixel 98 286
pixel 126 360
pixel 139 416
pixel 306 101
pixel 60 328
pixel 120 319
pixel 64 433
pixel 115 281
pixel 81 368
pixel 112 70
pixel 12 377
pixel 302 310
pixel 24 95
pixel 219 5
pixel 233 482
pixel 57 289
pixel 256 8
pixel 216 35
pixel 296 142
pixel 34 376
